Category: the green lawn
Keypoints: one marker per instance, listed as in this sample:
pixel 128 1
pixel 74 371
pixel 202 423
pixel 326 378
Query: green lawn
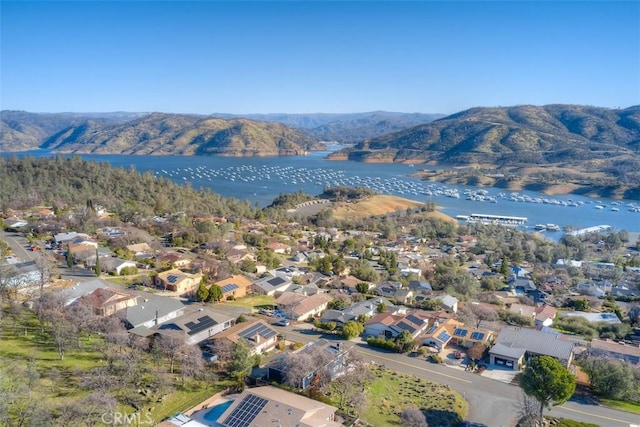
pixel 254 301
pixel 622 405
pixel 390 393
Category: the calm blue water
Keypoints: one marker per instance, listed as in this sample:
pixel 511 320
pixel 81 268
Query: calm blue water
pixel 260 180
pixel 214 413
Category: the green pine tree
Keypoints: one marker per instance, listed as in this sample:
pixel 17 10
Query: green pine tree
pixel 69 258
pixel 98 269
pixel 203 293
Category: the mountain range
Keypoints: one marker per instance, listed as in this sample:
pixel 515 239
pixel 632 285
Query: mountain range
pixel 574 145
pixel 510 135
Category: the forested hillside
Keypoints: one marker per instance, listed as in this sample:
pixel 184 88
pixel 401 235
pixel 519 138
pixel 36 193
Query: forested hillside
pixel 64 182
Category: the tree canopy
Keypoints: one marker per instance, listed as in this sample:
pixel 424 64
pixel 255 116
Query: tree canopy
pixel 548 381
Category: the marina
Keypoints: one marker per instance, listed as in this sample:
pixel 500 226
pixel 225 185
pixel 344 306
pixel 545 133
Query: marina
pixel 260 180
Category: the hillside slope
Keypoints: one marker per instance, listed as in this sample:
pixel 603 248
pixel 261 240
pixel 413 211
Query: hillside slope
pixel 157 133
pixel 580 145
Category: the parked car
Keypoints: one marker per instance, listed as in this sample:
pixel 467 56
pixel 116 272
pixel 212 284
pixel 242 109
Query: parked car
pixel 282 322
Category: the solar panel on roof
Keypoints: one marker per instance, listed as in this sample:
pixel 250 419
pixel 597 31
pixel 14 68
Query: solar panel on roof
pixel 246 411
pixel 203 323
pixel 406 327
pixel 432 329
pixel 257 329
pixel 444 336
pixel 413 318
pixel 276 281
pixel 172 278
pixel 230 287
pixel 459 332
pixel 477 336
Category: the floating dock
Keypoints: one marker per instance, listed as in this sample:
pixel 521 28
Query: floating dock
pixel 493 219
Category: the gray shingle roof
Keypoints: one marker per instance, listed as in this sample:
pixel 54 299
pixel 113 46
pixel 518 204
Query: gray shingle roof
pixel 149 307
pixel 535 342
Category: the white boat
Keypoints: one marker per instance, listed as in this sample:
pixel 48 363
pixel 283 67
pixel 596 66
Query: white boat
pixel 553 227
pixel 540 227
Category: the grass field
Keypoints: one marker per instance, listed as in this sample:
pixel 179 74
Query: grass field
pixel 25 345
pixel 621 405
pixel 391 393
pixel 372 206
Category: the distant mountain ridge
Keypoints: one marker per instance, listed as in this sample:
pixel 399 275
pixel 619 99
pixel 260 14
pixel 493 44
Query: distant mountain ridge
pixel 344 128
pixel 521 134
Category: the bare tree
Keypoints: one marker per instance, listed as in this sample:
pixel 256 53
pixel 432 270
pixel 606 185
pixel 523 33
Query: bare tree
pixel 350 386
pixel 170 346
pixel 528 410
pixel 473 314
pixel 307 368
pixel 95 406
pixel 413 417
pixel 192 363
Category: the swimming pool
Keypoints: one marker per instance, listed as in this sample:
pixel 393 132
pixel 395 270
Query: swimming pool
pixel 214 412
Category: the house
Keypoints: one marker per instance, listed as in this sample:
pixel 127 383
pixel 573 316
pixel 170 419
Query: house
pixel 20 275
pixel 174 259
pixel 366 308
pixel 150 311
pixel 270 285
pixel 545 315
pixel 63 238
pixel 514 346
pixel 88 255
pixel 234 287
pixel 256 407
pixel 280 248
pixel 300 307
pixel 80 244
pixel 389 325
pixel 615 350
pixel 468 337
pixel 404 296
pixel 140 249
pixel 449 303
pixel 107 301
pixel 14 224
pixel 441 333
pixel 333 353
pixel 420 287
pixel 196 324
pixel 116 265
pixel 178 281
pixel 80 289
pixel 260 337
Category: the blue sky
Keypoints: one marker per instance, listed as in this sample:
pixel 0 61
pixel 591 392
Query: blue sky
pixel 305 57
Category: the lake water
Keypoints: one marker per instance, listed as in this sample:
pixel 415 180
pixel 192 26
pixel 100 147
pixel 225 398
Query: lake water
pixel 261 179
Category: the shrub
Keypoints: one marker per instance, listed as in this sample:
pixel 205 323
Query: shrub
pixel 381 343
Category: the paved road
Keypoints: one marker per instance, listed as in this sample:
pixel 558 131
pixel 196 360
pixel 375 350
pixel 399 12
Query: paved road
pixel 18 245
pixel 491 403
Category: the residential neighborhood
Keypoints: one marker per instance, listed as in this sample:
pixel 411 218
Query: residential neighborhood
pixel 451 303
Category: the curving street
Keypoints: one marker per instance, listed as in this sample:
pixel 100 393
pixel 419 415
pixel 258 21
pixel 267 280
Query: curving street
pixel 492 403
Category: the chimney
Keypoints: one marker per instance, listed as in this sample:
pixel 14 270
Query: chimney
pixel 257 338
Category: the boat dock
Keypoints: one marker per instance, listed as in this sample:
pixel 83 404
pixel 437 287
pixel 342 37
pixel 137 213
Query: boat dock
pixel 494 219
